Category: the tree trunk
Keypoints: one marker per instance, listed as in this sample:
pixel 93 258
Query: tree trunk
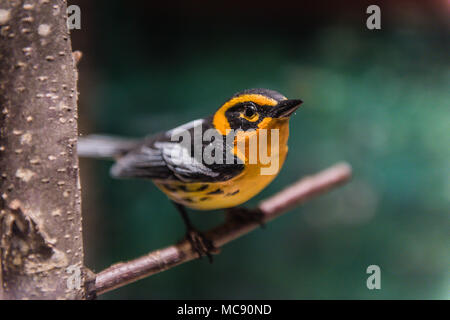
pixel 40 220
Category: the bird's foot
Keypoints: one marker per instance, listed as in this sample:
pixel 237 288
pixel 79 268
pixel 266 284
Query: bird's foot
pixel 245 215
pixel 201 244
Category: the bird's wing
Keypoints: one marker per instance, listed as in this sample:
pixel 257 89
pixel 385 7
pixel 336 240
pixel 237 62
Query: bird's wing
pixel 141 162
pixel 160 157
pixel 183 165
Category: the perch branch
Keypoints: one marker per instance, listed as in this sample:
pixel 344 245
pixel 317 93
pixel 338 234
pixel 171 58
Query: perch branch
pixel 121 274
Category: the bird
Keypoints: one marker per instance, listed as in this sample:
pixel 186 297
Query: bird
pixel 207 164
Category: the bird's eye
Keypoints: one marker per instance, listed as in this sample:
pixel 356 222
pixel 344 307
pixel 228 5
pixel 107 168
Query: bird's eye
pixel 250 111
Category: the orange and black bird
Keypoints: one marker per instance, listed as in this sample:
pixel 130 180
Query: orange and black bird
pixel 179 168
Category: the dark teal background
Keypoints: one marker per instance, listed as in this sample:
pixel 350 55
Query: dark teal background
pixel 376 99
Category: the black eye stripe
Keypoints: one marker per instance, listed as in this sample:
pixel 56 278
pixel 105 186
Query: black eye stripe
pixel 247 108
pixel 242 106
pixel 235 119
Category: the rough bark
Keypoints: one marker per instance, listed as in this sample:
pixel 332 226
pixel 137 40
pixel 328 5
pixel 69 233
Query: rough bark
pixel 40 219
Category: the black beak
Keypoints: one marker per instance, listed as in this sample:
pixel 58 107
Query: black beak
pixel 286 107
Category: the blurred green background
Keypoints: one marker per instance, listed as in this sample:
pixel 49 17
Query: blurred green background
pixel 377 99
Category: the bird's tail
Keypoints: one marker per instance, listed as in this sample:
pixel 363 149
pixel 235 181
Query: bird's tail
pixel 103 146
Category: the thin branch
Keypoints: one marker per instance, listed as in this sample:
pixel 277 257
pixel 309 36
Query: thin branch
pixel 121 274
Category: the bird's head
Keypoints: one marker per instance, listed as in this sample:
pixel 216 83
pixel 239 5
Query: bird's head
pixel 254 109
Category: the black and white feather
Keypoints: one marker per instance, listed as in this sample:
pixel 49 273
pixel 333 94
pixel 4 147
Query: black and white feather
pixel 158 157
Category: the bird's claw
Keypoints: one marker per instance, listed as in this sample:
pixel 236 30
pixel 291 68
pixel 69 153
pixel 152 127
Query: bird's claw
pixel 201 244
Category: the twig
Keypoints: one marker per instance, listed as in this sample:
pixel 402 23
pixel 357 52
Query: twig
pixel 121 274
pixel 77 55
